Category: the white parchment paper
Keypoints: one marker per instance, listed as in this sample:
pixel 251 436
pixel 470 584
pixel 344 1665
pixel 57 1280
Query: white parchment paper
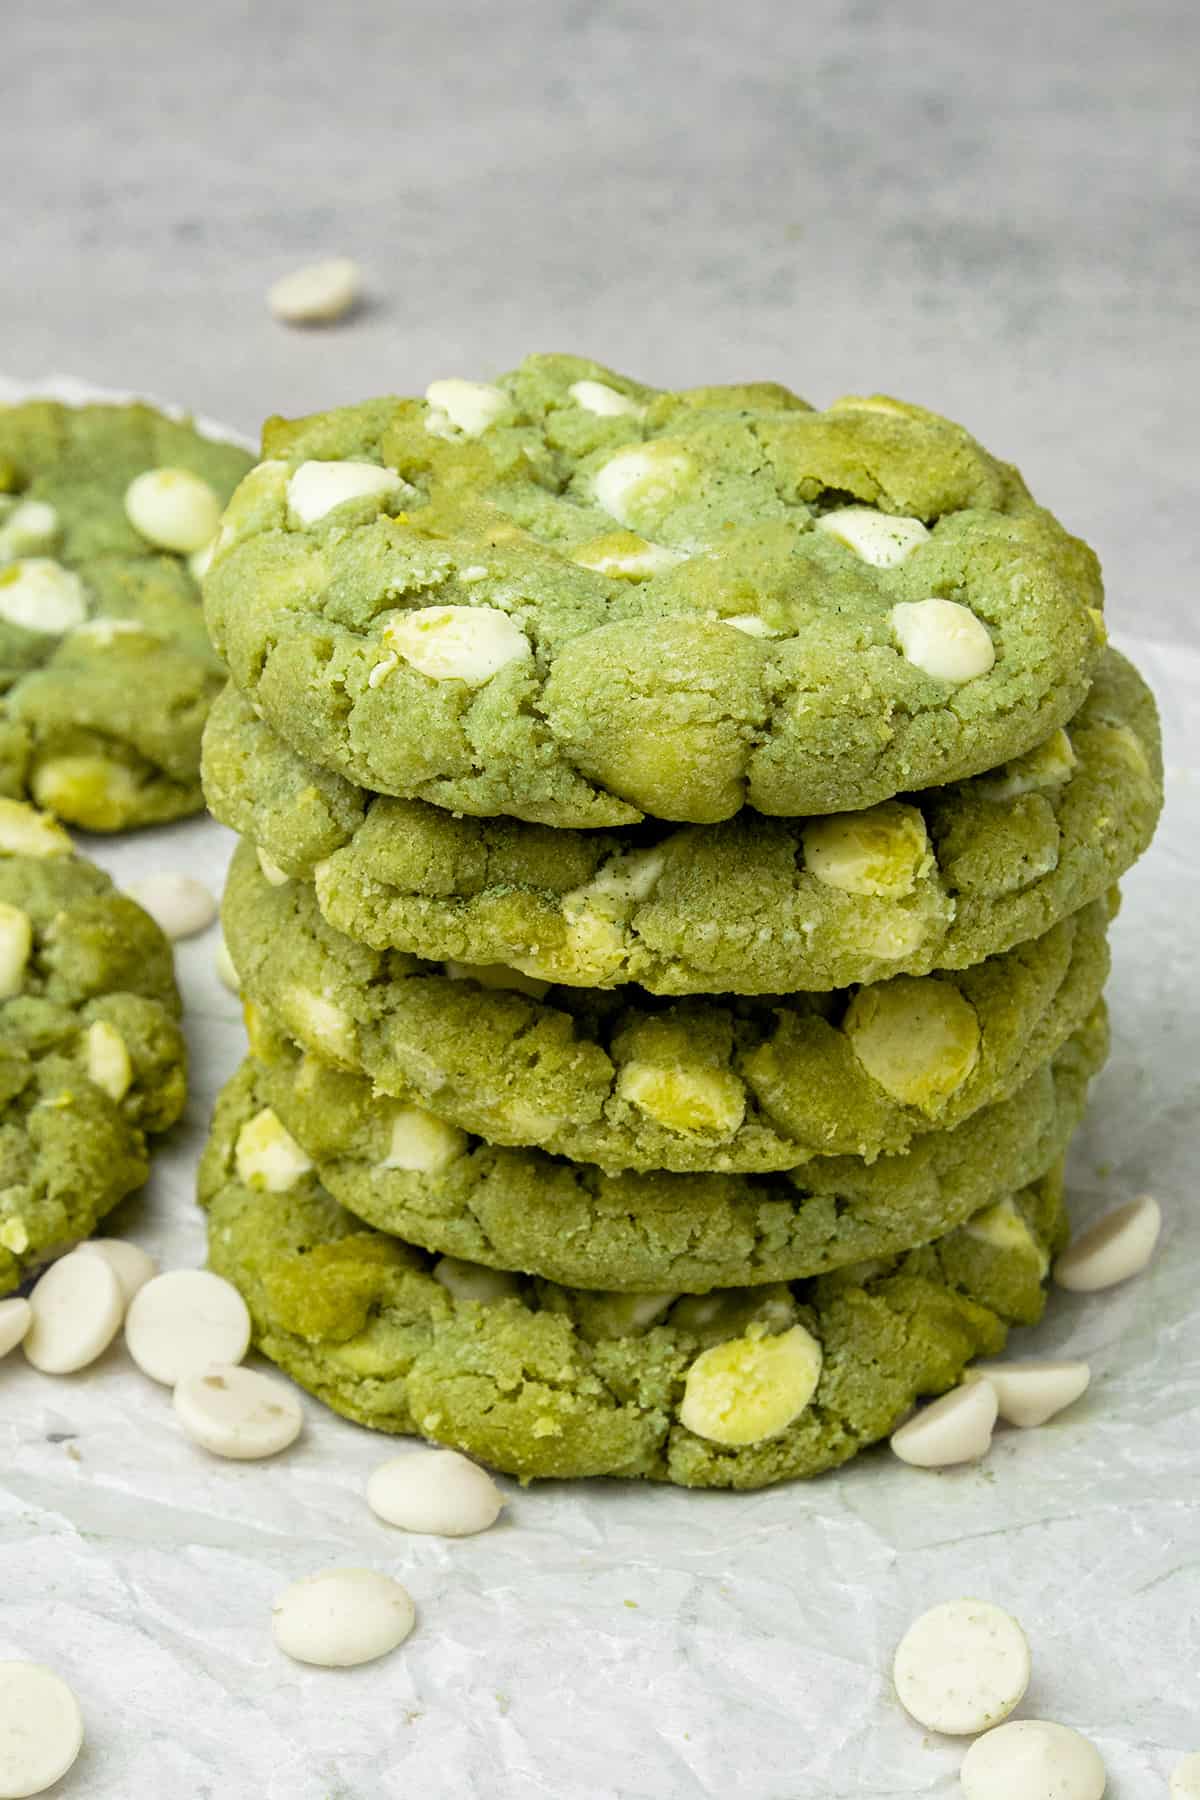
pixel 620 1640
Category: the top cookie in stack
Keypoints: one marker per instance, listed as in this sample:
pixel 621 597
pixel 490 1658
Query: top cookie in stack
pixel 685 826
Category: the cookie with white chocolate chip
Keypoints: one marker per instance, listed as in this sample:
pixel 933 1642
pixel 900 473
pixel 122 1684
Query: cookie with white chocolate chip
pixel 737 1388
pixel 625 1080
pixel 105 666
pixel 92 1059
pixel 940 879
pixel 577 600
pixel 405 1170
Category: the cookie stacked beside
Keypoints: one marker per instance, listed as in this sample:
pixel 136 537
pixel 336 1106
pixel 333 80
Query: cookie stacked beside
pixel 680 833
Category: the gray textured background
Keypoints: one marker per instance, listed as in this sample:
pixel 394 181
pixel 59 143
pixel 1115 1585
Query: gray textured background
pixel 991 210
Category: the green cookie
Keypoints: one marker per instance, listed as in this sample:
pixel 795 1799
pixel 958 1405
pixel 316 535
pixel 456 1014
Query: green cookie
pixel 737 1389
pixel 757 906
pixel 91 1055
pixel 406 1171
pixel 105 666
pixel 627 1081
pixel 578 601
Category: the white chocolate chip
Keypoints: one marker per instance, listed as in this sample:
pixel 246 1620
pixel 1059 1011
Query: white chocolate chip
pixel 642 478
pixel 275 875
pixel 1185 1779
pixel 1004 1227
pixel 16 943
pixel 382 670
pixel 26 832
pixel 422 1142
pixel 881 539
pixel 267 1156
pixel 881 851
pixel 200 561
pixel 1032 1759
pixel 1048 765
pixel 183 1321
pixel 437 1492
pixel 16 1316
pixel 77 1312
pixel 342 1617
pixel 1117 1247
pixel 318 1023
pixel 40 595
pixel 104 632
pixel 237 1412
pixel 629 1315
pixel 750 1388
pixel 107 1059
pixel 173 509
pixel 227 975
pixel 179 905
pixel 943 639
pixel 497 975
pixel 41 1729
pixel 471 406
pixel 688 1097
pixel 917 1037
pixel 955 1429
pixel 317 487
pixel 625 556
pixel 962 1667
pixel 457 643
pixel 472 1281
pixel 597 397
pixel 131 1265
pixel 31 527
pixel 316 294
pixel 751 625
pixel 1030 1392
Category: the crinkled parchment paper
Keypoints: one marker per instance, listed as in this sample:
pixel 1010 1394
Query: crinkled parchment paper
pixel 619 1640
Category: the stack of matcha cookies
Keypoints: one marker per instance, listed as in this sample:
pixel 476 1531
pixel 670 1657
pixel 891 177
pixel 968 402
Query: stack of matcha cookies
pixel 679 838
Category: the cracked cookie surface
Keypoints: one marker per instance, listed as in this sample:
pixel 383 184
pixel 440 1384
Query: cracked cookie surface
pixel 106 671
pixel 734 1389
pixel 579 601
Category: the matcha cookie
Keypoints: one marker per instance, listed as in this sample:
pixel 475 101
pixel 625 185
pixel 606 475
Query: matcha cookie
pixel 578 601
pixel 627 1081
pixel 756 906
pixel 736 1389
pixel 106 671
pixel 91 1055
pixel 406 1171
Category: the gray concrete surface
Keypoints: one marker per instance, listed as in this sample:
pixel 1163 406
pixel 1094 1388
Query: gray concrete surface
pixel 990 209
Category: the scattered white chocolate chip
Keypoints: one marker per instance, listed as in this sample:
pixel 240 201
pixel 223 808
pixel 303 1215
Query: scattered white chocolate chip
pixel 438 1492
pixel 471 406
pixel 342 1617
pixel 40 595
pixel 236 1412
pixel 30 527
pixel 16 943
pixel 1032 1759
pixel 1118 1246
pixel 422 1142
pixel 643 477
pixel 183 1321
pixel 880 851
pixel 597 397
pixel 955 1429
pixel 107 1059
pixel 317 487
pixel 179 905
pixel 41 1729
pixel 1030 1392
pixel 267 1156
pixel 132 1266
pixel 27 832
pixel 77 1311
pixel 16 1316
pixel 472 1281
pixel 275 875
pixel 316 294
pixel 750 1388
pixel 943 639
pixel 882 539
pixel 962 1667
pixel 1185 1779
pixel 457 643
pixel 173 509
pixel 227 975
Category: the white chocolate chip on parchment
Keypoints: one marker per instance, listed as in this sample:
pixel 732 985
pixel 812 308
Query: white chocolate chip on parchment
pixel 183 1321
pixel 437 1492
pixel 316 294
pixel 1117 1247
pixel 16 1316
pixel 1028 1391
pixel 943 639
pixel 1032 1759
pixel 236 1412
pixel 342 1617
pixel 132 1266
pixel 955 1429
pixel 77 1311
pixel 41 1729
pixel 179 905
pixel 1185 1778
pixel 962 1667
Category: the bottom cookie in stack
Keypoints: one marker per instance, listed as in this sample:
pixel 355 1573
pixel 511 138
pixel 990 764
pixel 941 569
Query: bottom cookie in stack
pixel 737 1387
